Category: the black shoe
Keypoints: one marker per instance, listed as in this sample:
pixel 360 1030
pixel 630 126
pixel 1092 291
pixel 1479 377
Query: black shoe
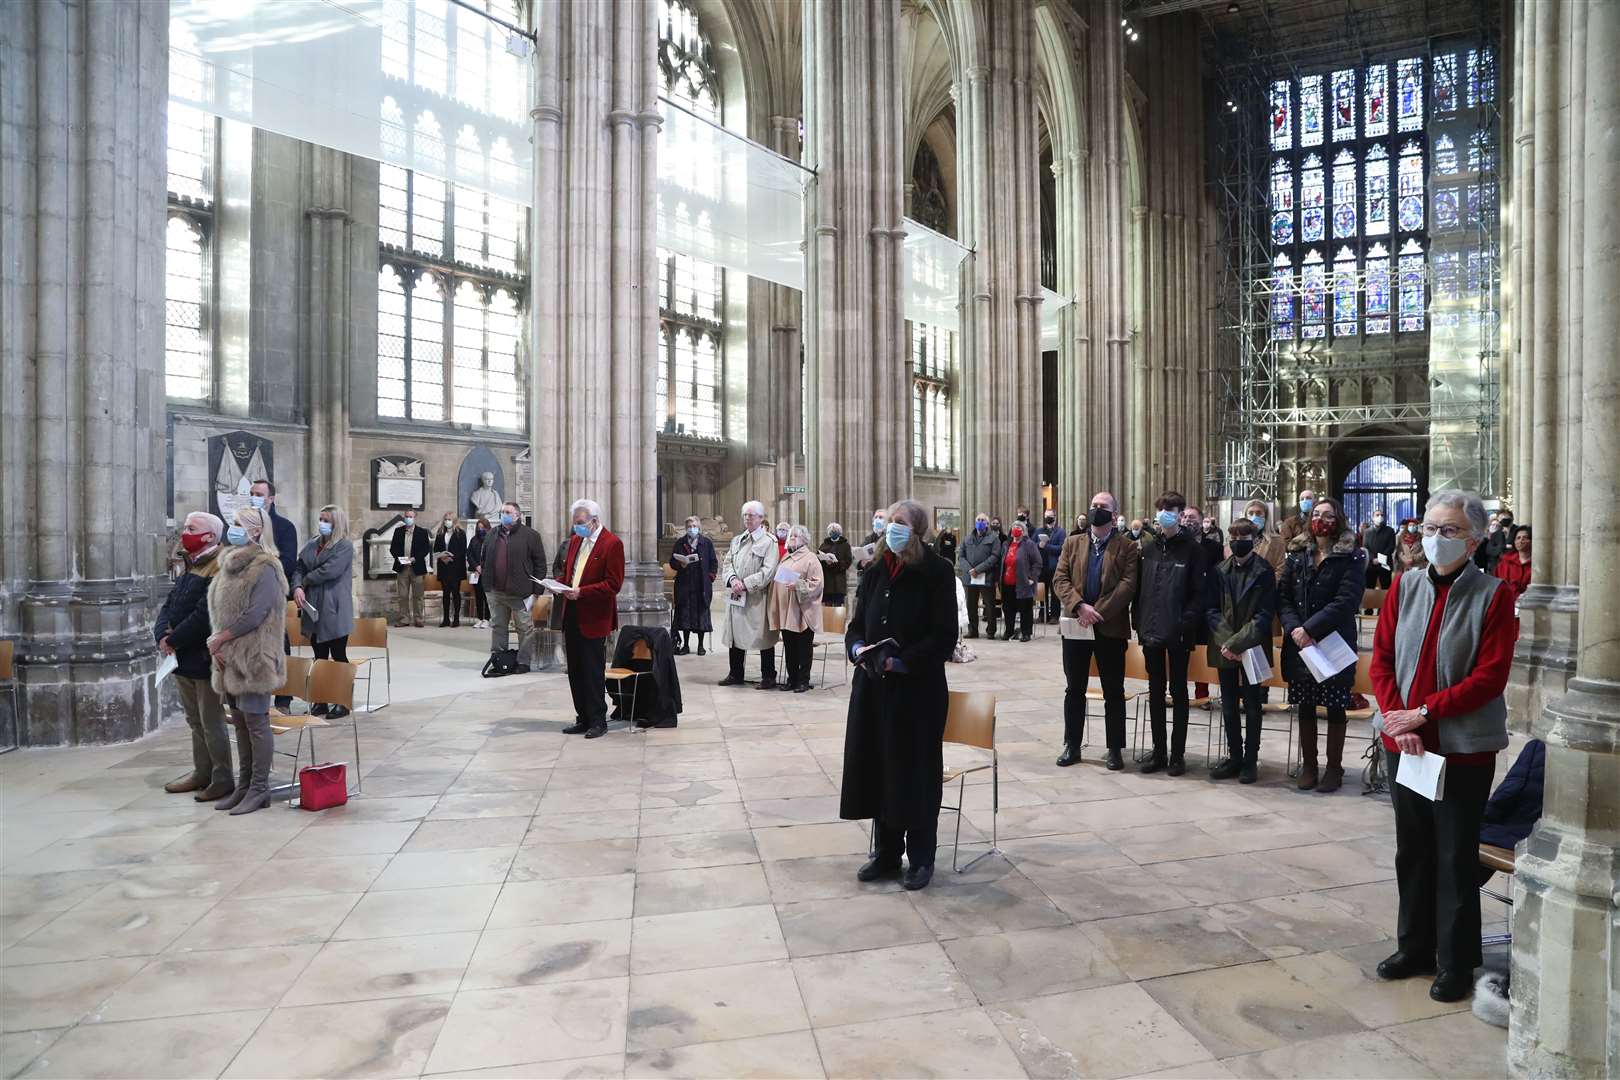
pixel 336 712
pixel 802 688
pixel 680 650
pixel 1070 755
pixel 320 709
pixel 1116 760
pixel 283 703
pixel 702 651
pixel 784 686
pixel 597 730
pixel 1007 636
pixel 1023 637
pixel 876 869
pixel 1153 764
pixel 1448 985
pixel 1177 766
pixel 1225 770
pixel 664 723
pixel 733 680
pixel 918 877
pixel 578 727
pixel 1250 773
pixel 972 633
pixel 767 683
pixel 1399 965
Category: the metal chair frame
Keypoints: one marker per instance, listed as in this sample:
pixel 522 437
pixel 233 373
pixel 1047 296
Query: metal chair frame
pixel 363 663
pixel 638 651
pixel 832 643
pixel 959 699
pixel 1493 857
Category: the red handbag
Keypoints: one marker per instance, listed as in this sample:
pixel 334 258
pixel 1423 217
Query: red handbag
pixel 321 786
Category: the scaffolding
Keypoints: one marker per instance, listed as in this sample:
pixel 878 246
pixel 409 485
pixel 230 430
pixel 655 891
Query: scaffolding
pixel 1252 368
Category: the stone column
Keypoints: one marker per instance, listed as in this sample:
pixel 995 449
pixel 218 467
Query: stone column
pixel 1566 916
pixel 82 536
pixel 859 455
pixel 593 320
pixel 328 343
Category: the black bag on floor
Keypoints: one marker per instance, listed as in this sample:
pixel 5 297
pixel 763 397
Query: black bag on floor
pixel 504 662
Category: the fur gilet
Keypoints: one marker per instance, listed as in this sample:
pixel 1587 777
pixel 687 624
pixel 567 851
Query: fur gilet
pixel 253 663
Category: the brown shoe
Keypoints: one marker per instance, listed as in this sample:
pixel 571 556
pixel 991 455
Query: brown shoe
pixel 1308 777
pixel 1332 779
pixel 215 792
pixel 418 623
pixel 190 782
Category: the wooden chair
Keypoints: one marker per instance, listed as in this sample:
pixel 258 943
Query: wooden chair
pixel 8 683
pixel 296 684
pixel 639 650
pixel 1039 618
pixel 833 624
pixel 328 682
pixel 372 634
pixel 1370 598
pixel 971 721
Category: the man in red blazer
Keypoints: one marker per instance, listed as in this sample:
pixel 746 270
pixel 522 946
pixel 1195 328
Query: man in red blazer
pixel 594 566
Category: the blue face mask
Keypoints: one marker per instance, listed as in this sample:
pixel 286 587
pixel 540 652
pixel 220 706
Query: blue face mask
pixel 236 535
pixel 325 528
pixel 692 531
pixel 981 526
pixel 1305 505
pixel 1167 518
pixel 582 531
pixel 1259 520
pixel 256 501
pixel 896 536
pixel 508 519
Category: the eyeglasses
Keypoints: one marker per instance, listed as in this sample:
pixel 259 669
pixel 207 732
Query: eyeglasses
pixel 1450 532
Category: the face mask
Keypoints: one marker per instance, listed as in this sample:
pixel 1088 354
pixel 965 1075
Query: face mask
pixel 1119 522
pixel 1136 534
pixel 236 535
pixel 1412 529
pixel 508 519
pixel 1191 525
pixel 1166 518
pixel 981 526
pixel 1102 517
pixel 410 522
pixel 1323 526
pixel 996 525
pixel 897 536
pixel 324 528
pixel 256 501
pixel 193 542
pixel 833 534
pixel 781 534
pixel 1241 548
pixel 877 524
pixel 1443 552
pixel 1050 520
pixel 1259 520
pixel 1378 519
pixel 1305 505
pixel 582 531
pixel 449 523
pixel 1017 533
pixel 692 531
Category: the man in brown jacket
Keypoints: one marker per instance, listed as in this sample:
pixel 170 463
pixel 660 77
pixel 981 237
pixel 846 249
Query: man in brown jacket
pixel 1295 524
pixel 514 560
pixel 1096 582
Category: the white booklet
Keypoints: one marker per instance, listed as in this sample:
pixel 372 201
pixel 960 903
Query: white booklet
pixel 166 668
pixel 1328 657
pixel 737 601
pixel 1424 774
pixel 975 579
pixel 1382 560
pixel 472 578
pixel 1255 665
pixel 786 575
pixel 551 585
pixel 685 560
pixel 1073 630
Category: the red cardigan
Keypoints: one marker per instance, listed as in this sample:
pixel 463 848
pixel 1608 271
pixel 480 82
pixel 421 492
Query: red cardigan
pixel 598 605
pixel 1514 572
pixel 1485 682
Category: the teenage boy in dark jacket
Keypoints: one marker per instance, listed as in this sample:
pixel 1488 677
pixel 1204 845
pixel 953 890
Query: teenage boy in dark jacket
pixel 1240 600
pixel 1168 609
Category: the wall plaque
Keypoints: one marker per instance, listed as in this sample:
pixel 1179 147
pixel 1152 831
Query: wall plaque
pixel 398 481
pixel 237 460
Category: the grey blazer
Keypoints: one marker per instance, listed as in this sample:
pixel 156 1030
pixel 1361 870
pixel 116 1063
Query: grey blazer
pixel 326 578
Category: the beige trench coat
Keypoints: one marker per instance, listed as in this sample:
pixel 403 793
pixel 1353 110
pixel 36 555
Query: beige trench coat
pixel 797 607
pixel 753 560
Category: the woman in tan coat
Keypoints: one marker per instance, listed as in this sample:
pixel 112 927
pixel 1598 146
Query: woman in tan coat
pixel 795 607
pixel 247 607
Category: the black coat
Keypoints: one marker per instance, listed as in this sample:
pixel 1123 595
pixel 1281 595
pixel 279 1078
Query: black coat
pixel 694 583
pixel 475 552
pixel 421 547
pixel 1380 540
pixel 893 755
pixel 658 695
pixel 945 546
pixel 454 568
pixel 1515 805
pixel 1322 595
pixel 286 534
pixel 1169 591
pixel 184 620
pixel 1214 551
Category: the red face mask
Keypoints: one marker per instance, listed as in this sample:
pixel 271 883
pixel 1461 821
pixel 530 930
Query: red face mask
pixel 193 542
pixel 1324 526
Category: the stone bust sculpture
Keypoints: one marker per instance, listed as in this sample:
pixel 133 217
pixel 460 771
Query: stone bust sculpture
pixel 485 500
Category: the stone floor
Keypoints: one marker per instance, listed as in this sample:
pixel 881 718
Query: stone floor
pixel 506 901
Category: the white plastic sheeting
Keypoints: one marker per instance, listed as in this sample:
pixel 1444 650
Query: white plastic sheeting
pixel 423 84
pixel 1051 304
pixel 931 267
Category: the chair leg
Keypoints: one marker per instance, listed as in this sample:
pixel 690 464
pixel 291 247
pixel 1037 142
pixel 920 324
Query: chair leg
pixel 355 725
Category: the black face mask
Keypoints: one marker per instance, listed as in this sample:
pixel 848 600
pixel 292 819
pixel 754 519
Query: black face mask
pixel 1240 548
pixel 1101 516
pixel 1051 521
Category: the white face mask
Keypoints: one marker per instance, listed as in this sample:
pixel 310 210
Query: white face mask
pixel 1443 552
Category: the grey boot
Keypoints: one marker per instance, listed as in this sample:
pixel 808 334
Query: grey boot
pixel 244 764
pixel 257 796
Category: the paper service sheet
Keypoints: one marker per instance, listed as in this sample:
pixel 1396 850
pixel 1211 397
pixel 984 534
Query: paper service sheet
pixel 1424 774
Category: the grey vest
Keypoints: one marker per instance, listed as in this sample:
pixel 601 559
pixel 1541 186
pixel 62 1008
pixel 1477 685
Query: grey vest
pixel 1457 651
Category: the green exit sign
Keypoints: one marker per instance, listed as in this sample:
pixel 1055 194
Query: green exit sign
pixel 793 489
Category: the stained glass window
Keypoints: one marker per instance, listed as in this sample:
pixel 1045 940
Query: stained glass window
pixel 1282 202
pixel 1481 77
pixel 1312 297
pixel 1409 88
pixel 1409 187
pixel 1481 152
pixel 1312 198
pixel 1376 108
pixel 1445 85
pixel 1345 294
pixel 1377 290
pixel 1413 299
pixel 1447 208
pixel 1344 105
pixel 1282 299
pixel 1445 156
pixel 1377 211
pixel 1282 115
pixel 1310 111
pixel 1344 195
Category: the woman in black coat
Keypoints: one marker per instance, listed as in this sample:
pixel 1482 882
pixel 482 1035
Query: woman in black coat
pixel 475 565
pixel 449 565
pixel 695 566
pixel 893 756
pixel 1319 594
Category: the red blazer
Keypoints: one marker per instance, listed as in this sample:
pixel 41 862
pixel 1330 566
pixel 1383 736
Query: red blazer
pixel 598 605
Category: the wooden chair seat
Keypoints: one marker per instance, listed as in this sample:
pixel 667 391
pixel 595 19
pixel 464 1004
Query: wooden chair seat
pixel 953 772
pixel 621 673
pixel 1499 859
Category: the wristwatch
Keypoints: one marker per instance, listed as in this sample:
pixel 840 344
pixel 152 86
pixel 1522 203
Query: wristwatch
pixel 1423 711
